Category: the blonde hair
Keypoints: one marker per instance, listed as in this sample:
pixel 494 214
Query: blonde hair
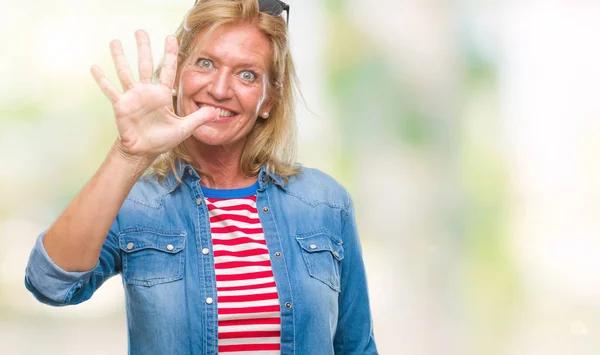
pixel 270 142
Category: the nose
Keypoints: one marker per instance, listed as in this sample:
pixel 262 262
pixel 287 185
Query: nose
pixel 220 85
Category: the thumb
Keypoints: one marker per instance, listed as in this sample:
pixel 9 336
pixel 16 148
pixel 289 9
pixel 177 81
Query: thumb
pixel 196 119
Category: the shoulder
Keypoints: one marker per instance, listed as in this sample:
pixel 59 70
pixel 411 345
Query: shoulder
pixel 315 187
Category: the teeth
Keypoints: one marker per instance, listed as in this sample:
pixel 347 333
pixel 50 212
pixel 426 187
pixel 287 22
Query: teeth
pixel 220 112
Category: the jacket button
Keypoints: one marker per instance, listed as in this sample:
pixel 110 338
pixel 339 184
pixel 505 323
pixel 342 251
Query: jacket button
pixel 288 305
pixel 312 246
pixel 265 209
pixel 170 247
pixel 129 246
pixel 278 254
pixel 209 300
pixel 205 251
pixel 198 201
pixel 264 179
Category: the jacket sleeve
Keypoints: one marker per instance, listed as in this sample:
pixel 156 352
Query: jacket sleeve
pixel 56 287
pixel 354 334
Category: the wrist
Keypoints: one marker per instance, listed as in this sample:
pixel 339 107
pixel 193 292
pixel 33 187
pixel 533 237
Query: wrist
pixel 136 164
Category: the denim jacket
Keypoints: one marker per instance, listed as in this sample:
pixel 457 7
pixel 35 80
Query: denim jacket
pixel 160 243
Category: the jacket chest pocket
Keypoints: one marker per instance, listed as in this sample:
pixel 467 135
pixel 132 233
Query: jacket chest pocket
pixel 151 257
pixel 322 256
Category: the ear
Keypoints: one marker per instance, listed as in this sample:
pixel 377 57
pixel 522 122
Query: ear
pixel 266 106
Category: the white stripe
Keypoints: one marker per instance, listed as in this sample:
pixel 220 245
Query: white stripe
pixel 242 270
pixel 262 280
pixel 239 341
pixel 250 316
pixel 233 223
pixel 255 291
pixel 265 352
pixel 232 202
pixel 238 234
pixel 229 305
pixel 245 213
pixel 250 327
pixel 240 247
pixel 231 258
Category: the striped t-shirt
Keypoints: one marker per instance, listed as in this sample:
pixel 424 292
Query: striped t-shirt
pixel 248 305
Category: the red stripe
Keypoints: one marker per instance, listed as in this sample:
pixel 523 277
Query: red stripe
pixel 246 287
pixel 251 321
pixel 248 347
pixel 255 334
pixel 248 298
pixel 249 252
pixel 245 276
pixel 238 241
pixel 235 264
pixel 230 229
pixel 233 208
pixel 258 309
pixel 233 217
pixel 216 199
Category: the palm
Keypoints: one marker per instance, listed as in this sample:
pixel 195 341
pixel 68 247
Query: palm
pixel 146 122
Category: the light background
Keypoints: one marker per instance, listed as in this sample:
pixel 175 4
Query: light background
pixel 468 133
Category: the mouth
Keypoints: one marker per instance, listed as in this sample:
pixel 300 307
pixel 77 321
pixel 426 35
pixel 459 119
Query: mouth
pixel 223 114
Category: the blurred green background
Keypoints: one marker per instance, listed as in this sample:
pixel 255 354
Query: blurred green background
pixel 467 132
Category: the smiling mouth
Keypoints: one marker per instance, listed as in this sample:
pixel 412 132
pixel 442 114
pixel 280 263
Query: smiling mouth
pixel 221 112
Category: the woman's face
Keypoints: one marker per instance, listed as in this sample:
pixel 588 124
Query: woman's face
pixel 227 71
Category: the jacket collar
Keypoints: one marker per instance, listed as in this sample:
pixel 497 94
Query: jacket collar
pixel 182 168
pixel 264 177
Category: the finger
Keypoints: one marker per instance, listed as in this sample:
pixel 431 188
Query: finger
pixel 189 123
pixel 107 88
pixel 121 65
pixel 145 65
pixel 169 65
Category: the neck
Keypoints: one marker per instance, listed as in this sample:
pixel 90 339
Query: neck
pixel 221 163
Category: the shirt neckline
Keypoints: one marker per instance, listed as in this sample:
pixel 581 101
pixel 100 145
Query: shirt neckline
pixel 230 193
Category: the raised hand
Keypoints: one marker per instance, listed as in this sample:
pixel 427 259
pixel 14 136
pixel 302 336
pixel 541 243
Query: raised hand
pixel 146 122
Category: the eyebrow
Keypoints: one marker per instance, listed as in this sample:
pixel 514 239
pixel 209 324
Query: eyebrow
pixel 242 63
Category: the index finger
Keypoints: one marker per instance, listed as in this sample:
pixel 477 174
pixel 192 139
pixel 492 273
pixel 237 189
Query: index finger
pixel 169 64
pixel 107 88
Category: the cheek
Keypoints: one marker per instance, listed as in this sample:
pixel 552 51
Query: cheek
pixel 251 97
pixel 246 122
pixel 192 82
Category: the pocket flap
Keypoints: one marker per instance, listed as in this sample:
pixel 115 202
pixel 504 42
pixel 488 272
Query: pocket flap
pixel 146 239
pixel 321 242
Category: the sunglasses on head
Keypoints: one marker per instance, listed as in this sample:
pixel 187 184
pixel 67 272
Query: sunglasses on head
pixel 271 7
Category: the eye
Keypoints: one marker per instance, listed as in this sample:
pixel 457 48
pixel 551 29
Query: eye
pixel 205 63
pixel 248 75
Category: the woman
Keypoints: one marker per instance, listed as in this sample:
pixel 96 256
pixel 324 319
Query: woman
pixel 225 245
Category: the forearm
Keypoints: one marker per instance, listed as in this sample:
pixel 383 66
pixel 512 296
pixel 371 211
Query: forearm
pixel 75 240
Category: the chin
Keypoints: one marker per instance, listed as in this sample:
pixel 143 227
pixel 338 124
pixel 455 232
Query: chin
pixel 207 139
pixel 210 136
